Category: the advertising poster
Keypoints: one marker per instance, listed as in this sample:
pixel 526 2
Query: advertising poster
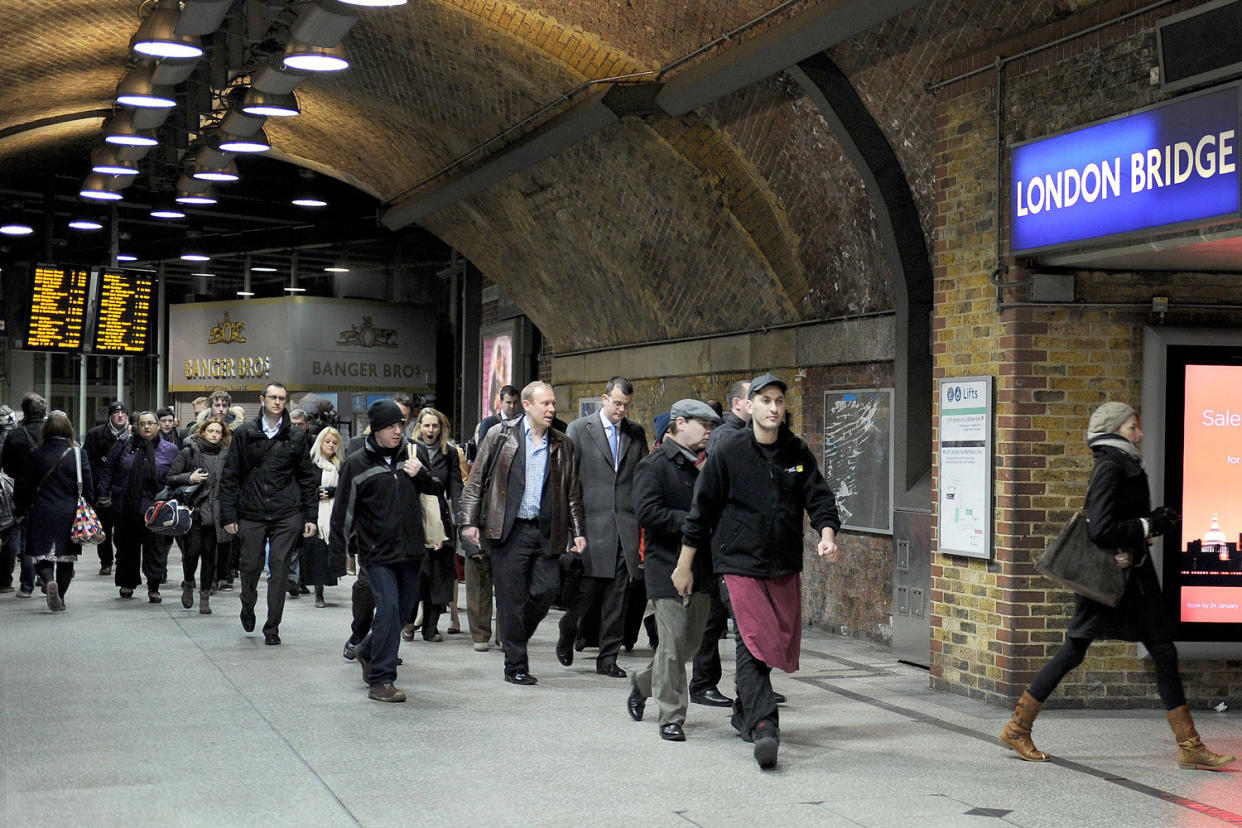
pixel 497 372
pixel 965 467
pixel 857 461
pixel 1211 564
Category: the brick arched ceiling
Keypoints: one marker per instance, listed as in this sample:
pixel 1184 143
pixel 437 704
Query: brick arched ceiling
pixel 742 213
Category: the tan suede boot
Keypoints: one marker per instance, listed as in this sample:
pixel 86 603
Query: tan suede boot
pixel 1192 754
pixel 1017 734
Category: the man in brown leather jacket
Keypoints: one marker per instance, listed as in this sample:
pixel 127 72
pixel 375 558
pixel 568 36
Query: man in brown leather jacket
pixel 523 491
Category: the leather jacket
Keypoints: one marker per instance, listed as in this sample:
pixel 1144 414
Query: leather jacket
pixel 484 501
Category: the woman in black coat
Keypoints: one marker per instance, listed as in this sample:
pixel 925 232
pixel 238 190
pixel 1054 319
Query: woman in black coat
pixel 438 577
pixel 201 463
pixel 46 499
pixel 1119 518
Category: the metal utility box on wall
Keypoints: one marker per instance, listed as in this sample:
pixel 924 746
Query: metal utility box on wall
pixel 912 585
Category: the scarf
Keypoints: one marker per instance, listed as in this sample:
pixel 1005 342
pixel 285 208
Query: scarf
pixel 1118 442
pixel 389 454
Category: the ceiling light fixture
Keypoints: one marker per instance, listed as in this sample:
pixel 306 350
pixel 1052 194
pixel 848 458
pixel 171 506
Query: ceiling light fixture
pixel 202 17
pixel 125 257
pixel 245 293
pixel 336 270
pixel 138 90
pixel 120 129
pixel 108 161
pixel 195 257
pixel 323 23
pixel 254 143
pixel 167 211
pixel 100 188
pixel 266 105
pixel 295 290
pixel 310 58
pixel 192 191
pixel 158 36
pixel 309 201
pixel 263 269
pixel 204 172
pixel 85 224
pixel 16 229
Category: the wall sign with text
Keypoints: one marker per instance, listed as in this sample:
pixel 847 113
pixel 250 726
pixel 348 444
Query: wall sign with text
pixel 964 501
pixel 1173 163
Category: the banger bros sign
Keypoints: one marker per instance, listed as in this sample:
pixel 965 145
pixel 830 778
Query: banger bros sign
pixel 307 343
pixel 1170 164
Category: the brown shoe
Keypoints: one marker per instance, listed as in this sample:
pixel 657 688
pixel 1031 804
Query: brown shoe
pixel 1017 734
pixel 1192 754
pixel 386 693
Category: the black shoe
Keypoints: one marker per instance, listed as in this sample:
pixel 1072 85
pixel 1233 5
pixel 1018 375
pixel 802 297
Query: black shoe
pixel 767 740
pixel 635 704
pixel 672 733
pixel 271 638
pixel 247 618
pixel 564 651
pixel 611 670
pixel 712 698
pixel 779 698
pixel 152 597
pixel 106 569
pixel 187 594
pixel 521 678
pixel 350 651
pixel 294 592
pixel 737 721
pixel 303 589
pixel 580 644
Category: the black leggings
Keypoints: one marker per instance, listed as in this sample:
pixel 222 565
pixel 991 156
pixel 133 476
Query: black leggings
pixel 63 574
pixel 1072 652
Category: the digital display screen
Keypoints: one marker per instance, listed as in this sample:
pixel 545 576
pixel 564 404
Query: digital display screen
pixel 58 299
pixel 123 313
pixel 1203 559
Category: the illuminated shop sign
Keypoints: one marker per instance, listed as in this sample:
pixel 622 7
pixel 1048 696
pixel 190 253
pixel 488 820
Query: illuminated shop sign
pixel 1175 163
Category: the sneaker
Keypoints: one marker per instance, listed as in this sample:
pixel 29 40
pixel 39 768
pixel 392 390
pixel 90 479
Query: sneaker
pixel 480 646
pixel 24 593
pixel 53 597
pixel 767 740
pixel 386 693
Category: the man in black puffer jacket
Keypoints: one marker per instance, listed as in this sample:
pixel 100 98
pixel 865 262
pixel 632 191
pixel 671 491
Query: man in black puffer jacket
pixel 377 512
pixel 269 493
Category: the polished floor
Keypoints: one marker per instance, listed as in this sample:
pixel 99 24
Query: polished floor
pixel 126 713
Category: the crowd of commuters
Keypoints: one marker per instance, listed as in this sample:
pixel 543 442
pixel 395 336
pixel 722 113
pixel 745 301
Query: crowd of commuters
pixel 703 527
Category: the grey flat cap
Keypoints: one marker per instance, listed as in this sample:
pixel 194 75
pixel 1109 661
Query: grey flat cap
pixel 693 410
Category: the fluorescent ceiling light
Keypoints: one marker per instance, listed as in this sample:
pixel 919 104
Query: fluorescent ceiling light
pixel 309 202
pixel 295 290
pixel 16 229
pixel 85 224
pixel 245 293
pixel 167 213
pixel 158 36
pixel 336 270
pixel 263 269
pixel 195 257
pixel 202 274
pixel 125 257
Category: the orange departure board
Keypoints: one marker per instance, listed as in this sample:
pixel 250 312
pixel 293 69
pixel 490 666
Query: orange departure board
pixel 123 312
pixel 58 308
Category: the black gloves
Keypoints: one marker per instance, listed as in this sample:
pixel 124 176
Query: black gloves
pixel 1162 520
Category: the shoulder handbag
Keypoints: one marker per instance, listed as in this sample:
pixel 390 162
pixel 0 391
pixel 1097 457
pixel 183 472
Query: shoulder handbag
pixel 86 527
pixel 1076 563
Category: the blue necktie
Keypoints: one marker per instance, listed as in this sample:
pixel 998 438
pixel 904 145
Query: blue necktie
pixel 612 441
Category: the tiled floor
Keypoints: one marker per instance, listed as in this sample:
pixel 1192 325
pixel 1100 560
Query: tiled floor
pixel 125 713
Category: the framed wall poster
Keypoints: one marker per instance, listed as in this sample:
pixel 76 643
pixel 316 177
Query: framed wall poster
pixel 964 492
pixel 858 456
pixel 499 347
pixel 588 406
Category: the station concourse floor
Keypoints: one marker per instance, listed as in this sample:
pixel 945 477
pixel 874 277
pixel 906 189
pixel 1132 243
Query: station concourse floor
pixel 127 713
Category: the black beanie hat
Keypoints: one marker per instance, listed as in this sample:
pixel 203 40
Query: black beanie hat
pixel 384 413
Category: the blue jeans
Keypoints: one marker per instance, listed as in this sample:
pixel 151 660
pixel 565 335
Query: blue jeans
pixel 395 588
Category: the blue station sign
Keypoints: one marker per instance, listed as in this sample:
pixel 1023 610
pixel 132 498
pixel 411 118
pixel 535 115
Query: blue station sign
pixel 1174 163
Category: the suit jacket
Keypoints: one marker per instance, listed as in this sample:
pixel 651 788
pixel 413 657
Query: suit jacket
pixel 608 494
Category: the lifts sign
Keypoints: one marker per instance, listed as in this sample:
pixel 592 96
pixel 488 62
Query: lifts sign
pixel 1170 164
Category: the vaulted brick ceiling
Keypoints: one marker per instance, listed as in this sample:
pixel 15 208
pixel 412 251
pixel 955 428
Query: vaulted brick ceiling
pixel 655 227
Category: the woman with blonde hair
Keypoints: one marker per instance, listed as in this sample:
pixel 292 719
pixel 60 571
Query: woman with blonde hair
pixel 317 570
pixel 438 578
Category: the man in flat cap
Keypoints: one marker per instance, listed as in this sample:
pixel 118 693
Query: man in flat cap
pixel 663 485
pixel 751 495
pixel 98 445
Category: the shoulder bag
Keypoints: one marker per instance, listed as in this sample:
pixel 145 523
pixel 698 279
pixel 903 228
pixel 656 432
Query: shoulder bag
pixel 86 527
pixel 1076 563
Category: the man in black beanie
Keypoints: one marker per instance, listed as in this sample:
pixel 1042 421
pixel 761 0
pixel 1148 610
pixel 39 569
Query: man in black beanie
pixel 378 514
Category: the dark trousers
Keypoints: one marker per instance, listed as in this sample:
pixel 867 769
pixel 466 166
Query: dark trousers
pixel 279 537
pixel 431 609
pixel 136 546
pixel 63 575
pixel 1072 652
pixel 14 559
pixel 707 670
pixel 526 580
pixel 198 546
pixel 363 607
pixel 107 519
pixel 395 587
pixel 755 701
pixel 610 593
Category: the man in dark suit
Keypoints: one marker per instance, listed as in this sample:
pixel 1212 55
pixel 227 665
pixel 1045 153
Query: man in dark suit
pixel 609 446
pixel 523 492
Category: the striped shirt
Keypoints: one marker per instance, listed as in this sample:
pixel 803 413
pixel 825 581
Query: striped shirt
pixel 536 462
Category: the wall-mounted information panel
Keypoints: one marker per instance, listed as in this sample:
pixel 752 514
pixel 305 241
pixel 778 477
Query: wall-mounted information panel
pixel 964 504
pixel 58 299
pixel 122 321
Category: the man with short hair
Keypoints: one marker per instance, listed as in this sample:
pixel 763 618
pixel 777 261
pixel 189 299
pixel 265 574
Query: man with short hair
pixel 97 446
pixel 378 512
pixel 268 496
pixel 15 461
pixel 523 492
pixel 663 486
pixel 298 418
pixel 609 446
pixel 751 494
pixel 510 410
